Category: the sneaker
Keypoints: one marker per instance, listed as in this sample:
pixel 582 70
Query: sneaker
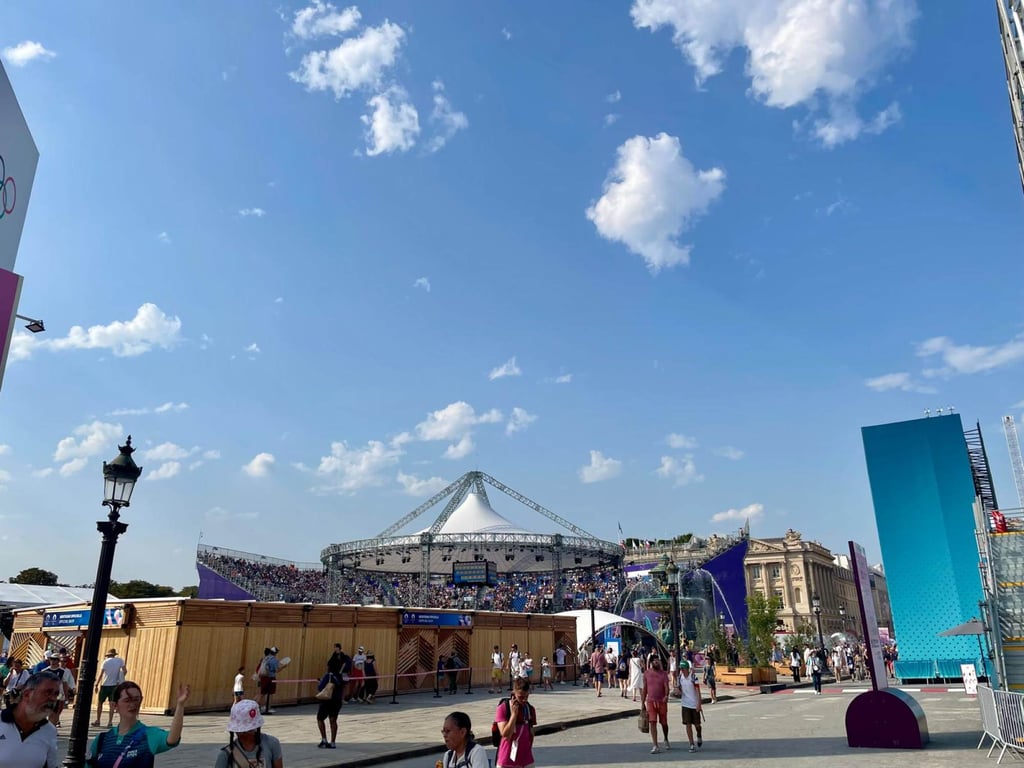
pixel 693 748
pixel 322 744
pixel 331 746
pixel 655 750
pixel 700 742
pixel 667 745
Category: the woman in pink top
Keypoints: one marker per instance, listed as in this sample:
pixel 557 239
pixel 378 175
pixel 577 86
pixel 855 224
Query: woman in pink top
pixel 655 697
pixel 516 720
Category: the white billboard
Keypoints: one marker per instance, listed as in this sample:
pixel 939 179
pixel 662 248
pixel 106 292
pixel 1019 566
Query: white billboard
pixel 18 160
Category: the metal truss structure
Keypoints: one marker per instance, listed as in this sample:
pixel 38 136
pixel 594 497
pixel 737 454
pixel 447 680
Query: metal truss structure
pixel 1011 31
pixel 431 553
pixel 1016 461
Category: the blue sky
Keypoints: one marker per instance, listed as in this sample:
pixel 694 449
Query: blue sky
pixel 650 263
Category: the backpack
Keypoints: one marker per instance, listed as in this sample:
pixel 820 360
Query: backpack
pixel 622 665
pixel 531 715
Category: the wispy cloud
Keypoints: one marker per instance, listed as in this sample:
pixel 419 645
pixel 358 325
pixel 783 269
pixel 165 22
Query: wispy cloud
pixel 85 442
pixel 422 282
pixel 259 213
pixel 506 33
pixel 414 486
pixel 600 468
pixel 902 381
pixel 749 512
pixel 680 442
pixel 508 368
pixel 446 120
pixel 728 452
pixel 681 471
pixel 614 97
pixel 963 359
pixel 565 378
pixel 164 238
pixel 519 421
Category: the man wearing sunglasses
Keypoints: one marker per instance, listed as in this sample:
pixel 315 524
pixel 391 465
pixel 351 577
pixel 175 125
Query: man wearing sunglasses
pixel 27 738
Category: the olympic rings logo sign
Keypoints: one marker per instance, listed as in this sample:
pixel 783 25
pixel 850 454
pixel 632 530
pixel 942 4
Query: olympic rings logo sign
pixel 8 190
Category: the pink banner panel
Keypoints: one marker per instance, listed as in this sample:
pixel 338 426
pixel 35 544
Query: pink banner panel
pixel 10 291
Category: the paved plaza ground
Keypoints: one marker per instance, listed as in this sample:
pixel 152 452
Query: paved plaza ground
pixel 579 729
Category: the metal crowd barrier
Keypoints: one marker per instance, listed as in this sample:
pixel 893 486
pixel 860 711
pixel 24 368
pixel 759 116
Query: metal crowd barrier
pixel 1002 720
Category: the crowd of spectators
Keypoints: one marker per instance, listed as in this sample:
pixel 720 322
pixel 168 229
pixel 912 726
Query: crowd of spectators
pixel 266 579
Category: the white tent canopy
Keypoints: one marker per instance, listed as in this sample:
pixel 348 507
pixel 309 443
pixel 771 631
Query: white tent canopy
pixel 602 619
pixel 476 515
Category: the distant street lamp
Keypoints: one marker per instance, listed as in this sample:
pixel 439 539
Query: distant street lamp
pixel 119 478
pixel 672 573
pixel 816 607
pixel 592 598
pixel 842 616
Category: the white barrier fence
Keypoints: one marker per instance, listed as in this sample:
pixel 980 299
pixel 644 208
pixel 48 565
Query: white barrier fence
pixel 1002 720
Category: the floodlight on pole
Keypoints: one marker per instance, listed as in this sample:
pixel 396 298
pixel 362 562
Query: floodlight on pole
pixel 36 326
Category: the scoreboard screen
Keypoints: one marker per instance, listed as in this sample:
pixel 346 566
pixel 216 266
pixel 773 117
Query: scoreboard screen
pixel 475 572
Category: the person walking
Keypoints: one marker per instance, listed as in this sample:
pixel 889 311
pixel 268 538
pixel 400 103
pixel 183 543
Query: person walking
pixel 654 697
pixel 329 708
pixel 247 744
pixel 561 653
pixel 463 751
pixel 27 738
pixel 816 670
pixel 636 674
pixel 238 686
pixel 691 704
pixel 794 663
pixel 452 667
pixel 371 683
pixel 598 667
pixel 516 719
pixel 15 681
pixel 545 674
pixel 267 674
pixel 497 665
pixel 112 673
pixel 67 688
pixel 711 677
pixel 132 743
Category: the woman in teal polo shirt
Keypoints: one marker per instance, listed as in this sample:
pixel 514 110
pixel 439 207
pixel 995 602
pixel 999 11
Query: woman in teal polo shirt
pixel 133 744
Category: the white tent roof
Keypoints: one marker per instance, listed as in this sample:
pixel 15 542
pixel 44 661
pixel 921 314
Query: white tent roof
pixel 602 619
pixel 26 595
pixel 475 515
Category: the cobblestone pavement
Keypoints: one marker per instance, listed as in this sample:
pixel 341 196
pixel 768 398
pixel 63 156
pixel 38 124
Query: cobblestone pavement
pixel 578 729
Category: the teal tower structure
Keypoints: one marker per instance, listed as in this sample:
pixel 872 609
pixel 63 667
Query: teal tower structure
pixel 923 491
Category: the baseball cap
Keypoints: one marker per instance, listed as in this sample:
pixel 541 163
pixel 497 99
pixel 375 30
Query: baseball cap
pixel 361 649
pixel 273 650
pixel 245 717
pixel 684 663
pixel 52 655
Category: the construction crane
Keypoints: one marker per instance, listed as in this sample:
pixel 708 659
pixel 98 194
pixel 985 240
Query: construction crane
pixel 1016 462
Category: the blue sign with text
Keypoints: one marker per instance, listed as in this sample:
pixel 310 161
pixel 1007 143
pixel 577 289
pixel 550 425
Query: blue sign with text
pixel 437 619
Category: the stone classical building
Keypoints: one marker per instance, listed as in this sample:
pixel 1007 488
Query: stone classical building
pixel 794 570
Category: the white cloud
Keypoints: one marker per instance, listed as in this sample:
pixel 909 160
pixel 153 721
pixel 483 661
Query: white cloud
pixel 446 121
pixel 414 486
pixel 149 328
pixel 728 452
pixel 422 282
pixel 164 238
pixel 253 349
pixel 165 471
pixel 260 465
pixel 21 54
pixel 259 213
pixel 85 442
pixel 4 449
pixel 167 452
pixel 455 423
pixel 519 421
pixel 680 471
pixel 902 381
pixel 357 63
pixel 506 33
pixel 171 408
pixel 600 468
pixel 319 19
pixel 211 454
pixel 279 300
pixel 508 368
pixel 44 472
pixel 460 449
pixel 348 469
pixel 683 442
pixel 614 97
pixel 844 124
pixel 651 195
pixel 749 512
pixel 798 51
pixel 967 359
pixel 394 124
pixel 611 118
pixel 565 378
pixel 219 513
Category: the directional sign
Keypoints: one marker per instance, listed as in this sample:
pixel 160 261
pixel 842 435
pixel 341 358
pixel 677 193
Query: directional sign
pixel 18 160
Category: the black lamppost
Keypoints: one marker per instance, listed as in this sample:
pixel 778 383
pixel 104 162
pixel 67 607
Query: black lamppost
pixel 816 607
pixel 672 573
pixel 119 478
pixel 842 616
pixel 592 598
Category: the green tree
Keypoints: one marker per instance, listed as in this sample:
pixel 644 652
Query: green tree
pixel 192 591
pixel 139 588
pixel 762 613
pixel 803 637
pixel 35 576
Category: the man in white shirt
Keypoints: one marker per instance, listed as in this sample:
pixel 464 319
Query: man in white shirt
pixel 560 656
pixel 15 681
pixel 67 687
pixel 112 673
pixel 27 739
pixel 497 664
pixel 691 702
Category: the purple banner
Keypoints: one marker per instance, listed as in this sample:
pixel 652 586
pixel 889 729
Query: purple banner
pixel 10 291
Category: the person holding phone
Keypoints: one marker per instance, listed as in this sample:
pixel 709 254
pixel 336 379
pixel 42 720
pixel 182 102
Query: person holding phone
pixel 516 719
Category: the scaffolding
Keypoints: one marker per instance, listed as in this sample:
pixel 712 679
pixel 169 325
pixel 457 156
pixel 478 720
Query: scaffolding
pixel 1011 33
pixel 1016 462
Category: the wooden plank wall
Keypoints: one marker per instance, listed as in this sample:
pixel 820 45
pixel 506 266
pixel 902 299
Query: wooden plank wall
pixel 203 642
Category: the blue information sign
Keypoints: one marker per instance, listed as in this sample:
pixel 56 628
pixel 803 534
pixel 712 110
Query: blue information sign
pixel 112 617
pixel 418 619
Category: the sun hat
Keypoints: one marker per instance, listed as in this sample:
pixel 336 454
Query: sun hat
pixel 112 652
pixel 245 717
pixel 273 650
pixel 361 649
pixel 52 655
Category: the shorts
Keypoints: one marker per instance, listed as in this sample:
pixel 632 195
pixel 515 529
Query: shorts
pixel 496 673
pixel 560 669
pixel 599 676
pixel 657 711
pixel 328 710
pixel 268 685
pixel 107 693
pixel 690 716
